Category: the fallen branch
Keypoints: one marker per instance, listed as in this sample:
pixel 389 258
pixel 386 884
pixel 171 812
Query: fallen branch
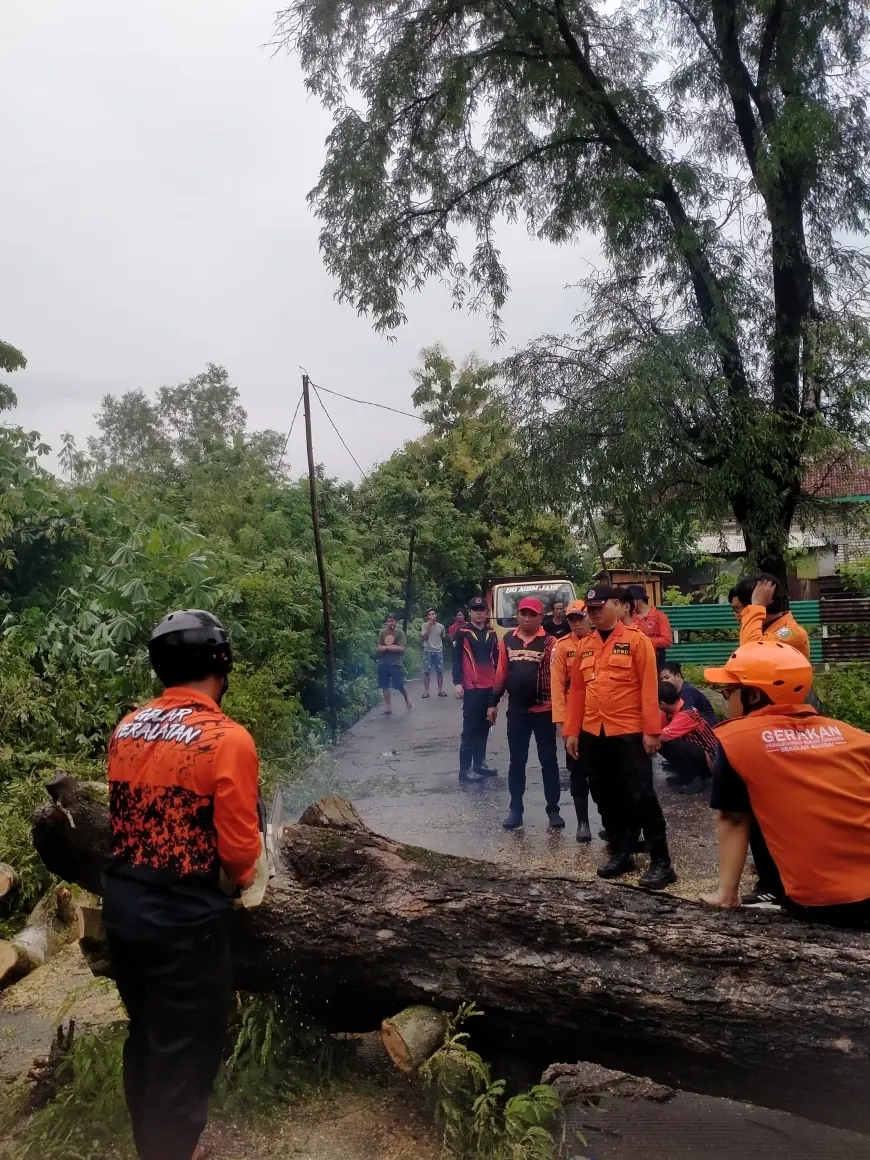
pixel 412 1036
pixel 51 925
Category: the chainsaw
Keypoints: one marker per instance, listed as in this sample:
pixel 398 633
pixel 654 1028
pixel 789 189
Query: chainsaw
pixel 266 866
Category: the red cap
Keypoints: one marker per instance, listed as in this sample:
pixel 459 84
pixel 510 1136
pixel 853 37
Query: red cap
pixel 532 603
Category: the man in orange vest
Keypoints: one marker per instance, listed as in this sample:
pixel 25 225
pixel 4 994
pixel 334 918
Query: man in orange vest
pixel 804 777
pixel 183 792
pixel 761 606
pixel 561 668
pixel 612 723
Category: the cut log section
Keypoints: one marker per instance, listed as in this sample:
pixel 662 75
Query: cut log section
pixel 412 1036
pixel 8 879
pixel 746 1004
pixel 51 925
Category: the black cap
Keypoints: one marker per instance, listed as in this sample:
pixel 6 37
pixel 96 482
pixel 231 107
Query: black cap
pixel 477 603
pixel 599 595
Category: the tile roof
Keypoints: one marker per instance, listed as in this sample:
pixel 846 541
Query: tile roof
pixel 841 479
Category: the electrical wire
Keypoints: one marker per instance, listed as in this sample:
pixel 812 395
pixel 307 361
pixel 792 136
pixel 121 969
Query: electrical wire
pixel 290 432
pixel 367 402
pixel 335 429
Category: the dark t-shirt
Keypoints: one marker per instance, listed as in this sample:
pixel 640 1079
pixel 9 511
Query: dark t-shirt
pixel 694 699
pixel 398 637
pixel 556 630
pixel 729 792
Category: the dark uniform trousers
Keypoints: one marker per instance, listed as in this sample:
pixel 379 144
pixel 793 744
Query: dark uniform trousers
pixel 689 760
pixel 177 993
pixel 475 728
pixel 620 775
pixel 520 728
pixel 579 787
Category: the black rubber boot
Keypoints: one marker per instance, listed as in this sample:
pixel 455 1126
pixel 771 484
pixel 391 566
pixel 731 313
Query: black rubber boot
pixel 555 819
pixel 584 834
pixel 660 874
pixel 513 821
pixel 696 785
pixel 616 865
pixel 485 771
pixel 466 775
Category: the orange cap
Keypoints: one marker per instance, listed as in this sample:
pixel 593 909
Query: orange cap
pixel 576 608
pixel 777 669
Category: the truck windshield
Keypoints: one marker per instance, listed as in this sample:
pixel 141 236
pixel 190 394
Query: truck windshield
pixel 508 596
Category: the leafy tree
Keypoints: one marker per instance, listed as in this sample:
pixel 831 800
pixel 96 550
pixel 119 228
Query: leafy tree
pixel 11 359
pixel 718 147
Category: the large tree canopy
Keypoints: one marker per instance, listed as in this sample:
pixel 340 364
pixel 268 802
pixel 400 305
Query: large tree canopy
pixel 719 148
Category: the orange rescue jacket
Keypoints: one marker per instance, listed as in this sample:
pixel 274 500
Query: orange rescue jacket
pixel 561 666
pixel 615 686
pixel 784 629
pixel 183 787
pixel 808 779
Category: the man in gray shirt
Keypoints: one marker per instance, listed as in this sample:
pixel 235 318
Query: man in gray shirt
pixel 433 652
pixel 391 658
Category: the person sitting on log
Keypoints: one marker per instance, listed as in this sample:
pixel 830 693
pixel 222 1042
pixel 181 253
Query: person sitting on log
pixel 183 794
pixel 804 777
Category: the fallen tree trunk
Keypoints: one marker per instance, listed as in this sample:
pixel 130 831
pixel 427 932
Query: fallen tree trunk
pixel 8 879
pixel 51 925
pixel 750 1005
pixel 411 1036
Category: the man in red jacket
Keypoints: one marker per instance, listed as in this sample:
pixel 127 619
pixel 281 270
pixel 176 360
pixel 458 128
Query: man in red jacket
pixel 523 672
pixel 183 793
pixel 652 622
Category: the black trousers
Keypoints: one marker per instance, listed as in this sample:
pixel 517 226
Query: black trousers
pixel 475 729
pixel 851 915
pixel 620 777
pixel 769 880
pixel 520 728
pixel 177 995
pixel 579 787
pixel 689 761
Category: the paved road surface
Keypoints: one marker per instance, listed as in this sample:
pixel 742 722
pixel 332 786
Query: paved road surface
pixel 402 772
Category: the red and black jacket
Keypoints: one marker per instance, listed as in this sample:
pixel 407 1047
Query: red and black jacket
pixel 523 671
pixel 475 653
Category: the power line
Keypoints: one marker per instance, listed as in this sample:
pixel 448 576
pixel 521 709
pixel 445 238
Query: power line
pixel 290 432
pixel 335 429
pixel 368 403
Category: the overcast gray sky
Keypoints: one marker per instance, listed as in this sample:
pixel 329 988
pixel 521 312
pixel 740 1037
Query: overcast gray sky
pixel 153 219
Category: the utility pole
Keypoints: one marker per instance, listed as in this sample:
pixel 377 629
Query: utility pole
pixel 409 581
pixel 321 567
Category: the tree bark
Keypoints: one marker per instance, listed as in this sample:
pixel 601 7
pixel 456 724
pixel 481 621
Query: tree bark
pixel 750 1005
pixel 51 925
pixel 412 1035
pixel 8 879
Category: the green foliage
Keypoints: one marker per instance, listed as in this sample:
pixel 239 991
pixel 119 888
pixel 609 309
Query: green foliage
pixel 856 576
pixel 673 595
pixel 476 1120
pixel 270 1060
pixel 721 153
pixel 845 693
pixel 87 1118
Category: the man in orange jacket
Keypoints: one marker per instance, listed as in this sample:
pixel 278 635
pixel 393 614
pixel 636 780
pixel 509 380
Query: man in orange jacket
pixel 561 668
pixel 613 723
pixel 183 793
pixel 761 606
pixel 804 777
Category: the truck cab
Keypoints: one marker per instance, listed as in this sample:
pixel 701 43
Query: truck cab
pixel 503 594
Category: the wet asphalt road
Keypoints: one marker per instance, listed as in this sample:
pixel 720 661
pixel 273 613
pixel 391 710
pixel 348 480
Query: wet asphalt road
pixel 402 773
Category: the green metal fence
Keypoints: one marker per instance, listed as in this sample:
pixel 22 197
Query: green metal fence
pixel 706 617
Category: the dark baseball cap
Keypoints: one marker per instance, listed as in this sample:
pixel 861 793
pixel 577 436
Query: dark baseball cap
pixel 600 594
pixel 477 603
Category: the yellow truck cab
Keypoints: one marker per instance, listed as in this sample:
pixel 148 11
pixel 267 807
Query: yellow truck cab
pixel 503 594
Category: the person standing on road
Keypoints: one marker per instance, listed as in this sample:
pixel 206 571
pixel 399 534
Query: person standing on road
pixel 183 792
pixel 523 671
pixel 613 723
pixel 561 668
pixel 652 622
pixel 475 652
pixel 556 623
pixel 458 622
pixel 433 652
pixel 392 643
